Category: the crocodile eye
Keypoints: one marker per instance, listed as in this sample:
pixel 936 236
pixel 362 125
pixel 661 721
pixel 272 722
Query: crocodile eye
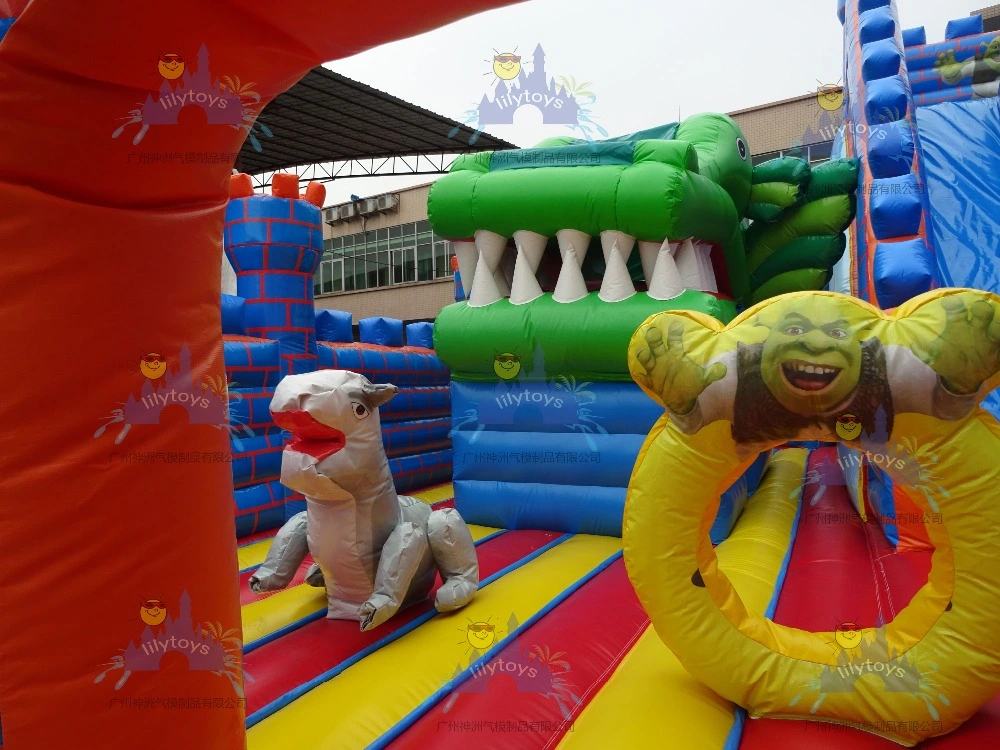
pixel 742 148
pixel 360 411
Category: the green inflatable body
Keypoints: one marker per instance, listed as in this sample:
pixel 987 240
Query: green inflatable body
pixel 684 192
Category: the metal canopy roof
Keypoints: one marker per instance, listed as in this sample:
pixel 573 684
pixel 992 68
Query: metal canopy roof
pixel 328 118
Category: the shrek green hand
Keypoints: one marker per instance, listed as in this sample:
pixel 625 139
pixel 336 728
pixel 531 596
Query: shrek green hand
pixel 967 353
pixel 949 67
pixel 677 378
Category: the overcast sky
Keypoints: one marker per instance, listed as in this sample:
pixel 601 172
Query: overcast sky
pixel 645 59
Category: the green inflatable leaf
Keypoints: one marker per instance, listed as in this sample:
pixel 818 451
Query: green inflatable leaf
pixel 805 252
pixel 803 280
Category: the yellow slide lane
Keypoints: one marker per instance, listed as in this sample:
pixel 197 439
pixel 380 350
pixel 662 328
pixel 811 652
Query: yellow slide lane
pixel 651 700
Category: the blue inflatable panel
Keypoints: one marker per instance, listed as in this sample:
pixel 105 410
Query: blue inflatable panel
pixel 252 409
pixel 422 470
pixel 420 334
pixel 618 408
pixel 258 460
pixel 914 37
pixel 960 142
pixel 890 150
pixel 251 362
pixel 963 27
pixel 881 59
pixel 415 436
pixel 417 403
pixel 881 499
pixel 896 207
pixel 259 507
pixel 549 507
pixel 866 5
pixel 232 314
pixel 294 503
pixel 886 100
pixel 876 25
pixel 5 24
pixel 381 331
pixel 902 270
pixel 734 499
pixel 334 325
pixel 563 459
pixel 399 367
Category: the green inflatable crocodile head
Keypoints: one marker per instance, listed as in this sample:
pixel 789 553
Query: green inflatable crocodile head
pixel 689 187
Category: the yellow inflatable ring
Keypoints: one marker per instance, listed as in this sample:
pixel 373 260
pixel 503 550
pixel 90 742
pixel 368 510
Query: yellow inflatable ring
pixel 792 368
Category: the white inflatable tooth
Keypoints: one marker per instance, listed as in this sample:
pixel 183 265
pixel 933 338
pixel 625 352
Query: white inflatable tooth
pixel 533 245
pixel 491 246
pixel 617 284
pixel 667 282
pixel 570 286
pixel 468 257
pixel 707 271
pixel 576 240
pixel 688 264
pixel 648 252
pixel 484 286
pixel 613 238
pixel 525 287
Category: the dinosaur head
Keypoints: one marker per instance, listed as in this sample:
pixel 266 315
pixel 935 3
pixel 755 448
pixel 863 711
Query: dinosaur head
pixel 333 418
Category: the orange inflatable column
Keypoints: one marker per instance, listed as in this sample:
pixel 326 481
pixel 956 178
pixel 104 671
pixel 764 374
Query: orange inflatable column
pixel 119 611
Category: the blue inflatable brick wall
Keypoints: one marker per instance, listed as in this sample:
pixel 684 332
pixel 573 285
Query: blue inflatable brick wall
pixel 381 331
pixel 334 325
pixel 421 335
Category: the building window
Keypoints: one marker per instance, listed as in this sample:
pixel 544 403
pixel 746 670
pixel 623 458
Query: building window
pixel 819 152
pixel 379 258
pixel 761 158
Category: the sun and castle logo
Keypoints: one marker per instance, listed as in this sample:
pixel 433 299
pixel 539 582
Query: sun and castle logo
pixel 560 101
pixel 206 648
pixel 206 402
pixel 533 669
pixel 524 398
pixel 865 654
pixel 225 101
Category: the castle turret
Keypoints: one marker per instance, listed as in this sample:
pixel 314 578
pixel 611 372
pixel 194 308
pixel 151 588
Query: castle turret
pixel 274 243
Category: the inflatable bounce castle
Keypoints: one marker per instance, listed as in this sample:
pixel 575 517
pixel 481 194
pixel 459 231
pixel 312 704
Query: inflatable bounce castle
pixel 724 437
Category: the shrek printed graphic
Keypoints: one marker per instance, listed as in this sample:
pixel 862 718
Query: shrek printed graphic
pixel 821 364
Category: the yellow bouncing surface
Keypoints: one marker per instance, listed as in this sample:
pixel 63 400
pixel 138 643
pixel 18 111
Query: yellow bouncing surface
pixel 795 368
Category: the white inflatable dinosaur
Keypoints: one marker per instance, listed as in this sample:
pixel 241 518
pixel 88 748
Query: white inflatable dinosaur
pixel 376 551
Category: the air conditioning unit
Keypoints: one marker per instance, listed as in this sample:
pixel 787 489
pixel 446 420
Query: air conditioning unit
pixel 330 215
pixel 347 211
pixel 387 202
pixel 369 206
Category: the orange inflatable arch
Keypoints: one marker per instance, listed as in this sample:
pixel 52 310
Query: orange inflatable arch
pixel 111 250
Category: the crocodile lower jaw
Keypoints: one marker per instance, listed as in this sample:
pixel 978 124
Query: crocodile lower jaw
pixel 492 271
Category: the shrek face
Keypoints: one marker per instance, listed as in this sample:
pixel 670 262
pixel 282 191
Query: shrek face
pixel 811 367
